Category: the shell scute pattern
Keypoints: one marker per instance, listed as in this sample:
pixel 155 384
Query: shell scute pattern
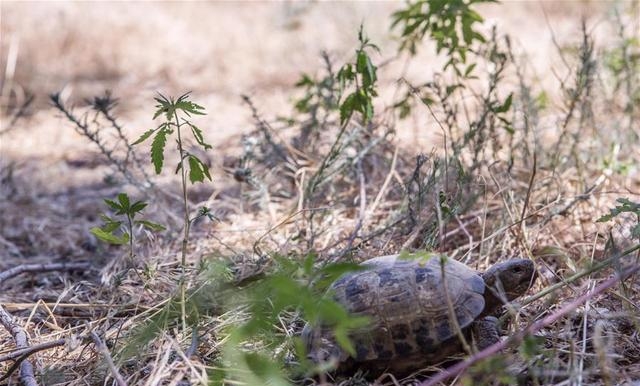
pixel 407 303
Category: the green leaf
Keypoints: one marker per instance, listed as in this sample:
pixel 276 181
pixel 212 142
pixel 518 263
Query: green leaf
pixel 626 207
pixel 164 106
pixel 342 337
pixel 144 136
pixel 109 237
pixel 369 111
pixel 197 170
pixel 152 226
pixel 469 70
pixel 303 104
pixel 157 149
pixel 183 103
pixel 403 107
pixel 265 369
pixel 361 62
pixel 110 225
pixel 123 198
pixel 530 346
pixel 505 106
pixel 305 81
pixel 467 32
pixel 473 15
pixel 347 107
pixel 334 271
pixel 604 218
pixel 137 207
pixel 197 134
pixel 308 263
pixel 113 205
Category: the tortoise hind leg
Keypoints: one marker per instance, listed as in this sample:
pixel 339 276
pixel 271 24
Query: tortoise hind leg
pixel 485 332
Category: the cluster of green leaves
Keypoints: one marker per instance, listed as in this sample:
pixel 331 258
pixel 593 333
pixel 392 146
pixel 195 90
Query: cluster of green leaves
pixel 620 58
pixel 626 206
pixel 450 23
pixel 318 93
pixel 316 108
pixel 491 371
pixel 500 108
pixel 356 90
pixel 119 232
pixel 295 285
pixel 361 74
pixel 623 61
pixel 170 108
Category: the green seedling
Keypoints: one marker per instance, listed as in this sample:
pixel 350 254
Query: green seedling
pixel 173 111
pixel 121 232
pixel 626 206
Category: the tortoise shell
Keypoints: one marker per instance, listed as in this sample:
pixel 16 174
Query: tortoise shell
pixel 407 304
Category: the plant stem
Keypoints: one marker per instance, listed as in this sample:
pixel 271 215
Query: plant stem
pixel 130 220
pixel 594 268
pixel 187 224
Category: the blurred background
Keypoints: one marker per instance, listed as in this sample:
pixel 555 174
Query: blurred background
pixel 220 50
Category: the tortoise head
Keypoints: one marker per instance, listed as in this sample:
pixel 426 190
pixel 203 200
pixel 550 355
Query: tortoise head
pixel 507 281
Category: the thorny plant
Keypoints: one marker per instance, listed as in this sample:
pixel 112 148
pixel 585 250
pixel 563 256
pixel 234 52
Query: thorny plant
pixel 623 62
pixel 578 95
pixel 316 107
pixel 439 192
pixel 120 153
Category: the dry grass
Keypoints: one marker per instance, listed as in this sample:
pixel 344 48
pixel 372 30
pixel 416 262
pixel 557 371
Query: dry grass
pixel 53 181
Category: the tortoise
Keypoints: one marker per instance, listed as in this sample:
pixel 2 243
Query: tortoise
pixel 410 325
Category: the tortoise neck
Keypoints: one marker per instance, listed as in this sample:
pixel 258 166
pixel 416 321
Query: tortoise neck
pixel 495 294
pixel 492 300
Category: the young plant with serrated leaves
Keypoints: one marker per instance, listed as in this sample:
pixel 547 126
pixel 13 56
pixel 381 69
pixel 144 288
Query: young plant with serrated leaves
pixel 363 77
pixel 189 166
pixel 317 106
pixel 357 88
pixel 121 232
pixel 626 206
pixel 295 286
pixel 450 23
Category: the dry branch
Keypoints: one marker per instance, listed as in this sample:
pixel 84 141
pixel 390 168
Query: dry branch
pixel 20 336
pixel 102 348
pixel 17 354
pixel 15 271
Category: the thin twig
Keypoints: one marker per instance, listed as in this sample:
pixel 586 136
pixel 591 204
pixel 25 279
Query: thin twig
pixel 15 271
pixel 361 218
pixel 596 267
pixel 525 204
pixel 20 336
pixel 25 352
pixel 497 347
pixel 385 184
pixel 18 114
pixel 102 348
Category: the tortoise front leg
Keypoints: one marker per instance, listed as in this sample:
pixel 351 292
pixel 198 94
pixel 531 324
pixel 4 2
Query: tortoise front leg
pixel 485 332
